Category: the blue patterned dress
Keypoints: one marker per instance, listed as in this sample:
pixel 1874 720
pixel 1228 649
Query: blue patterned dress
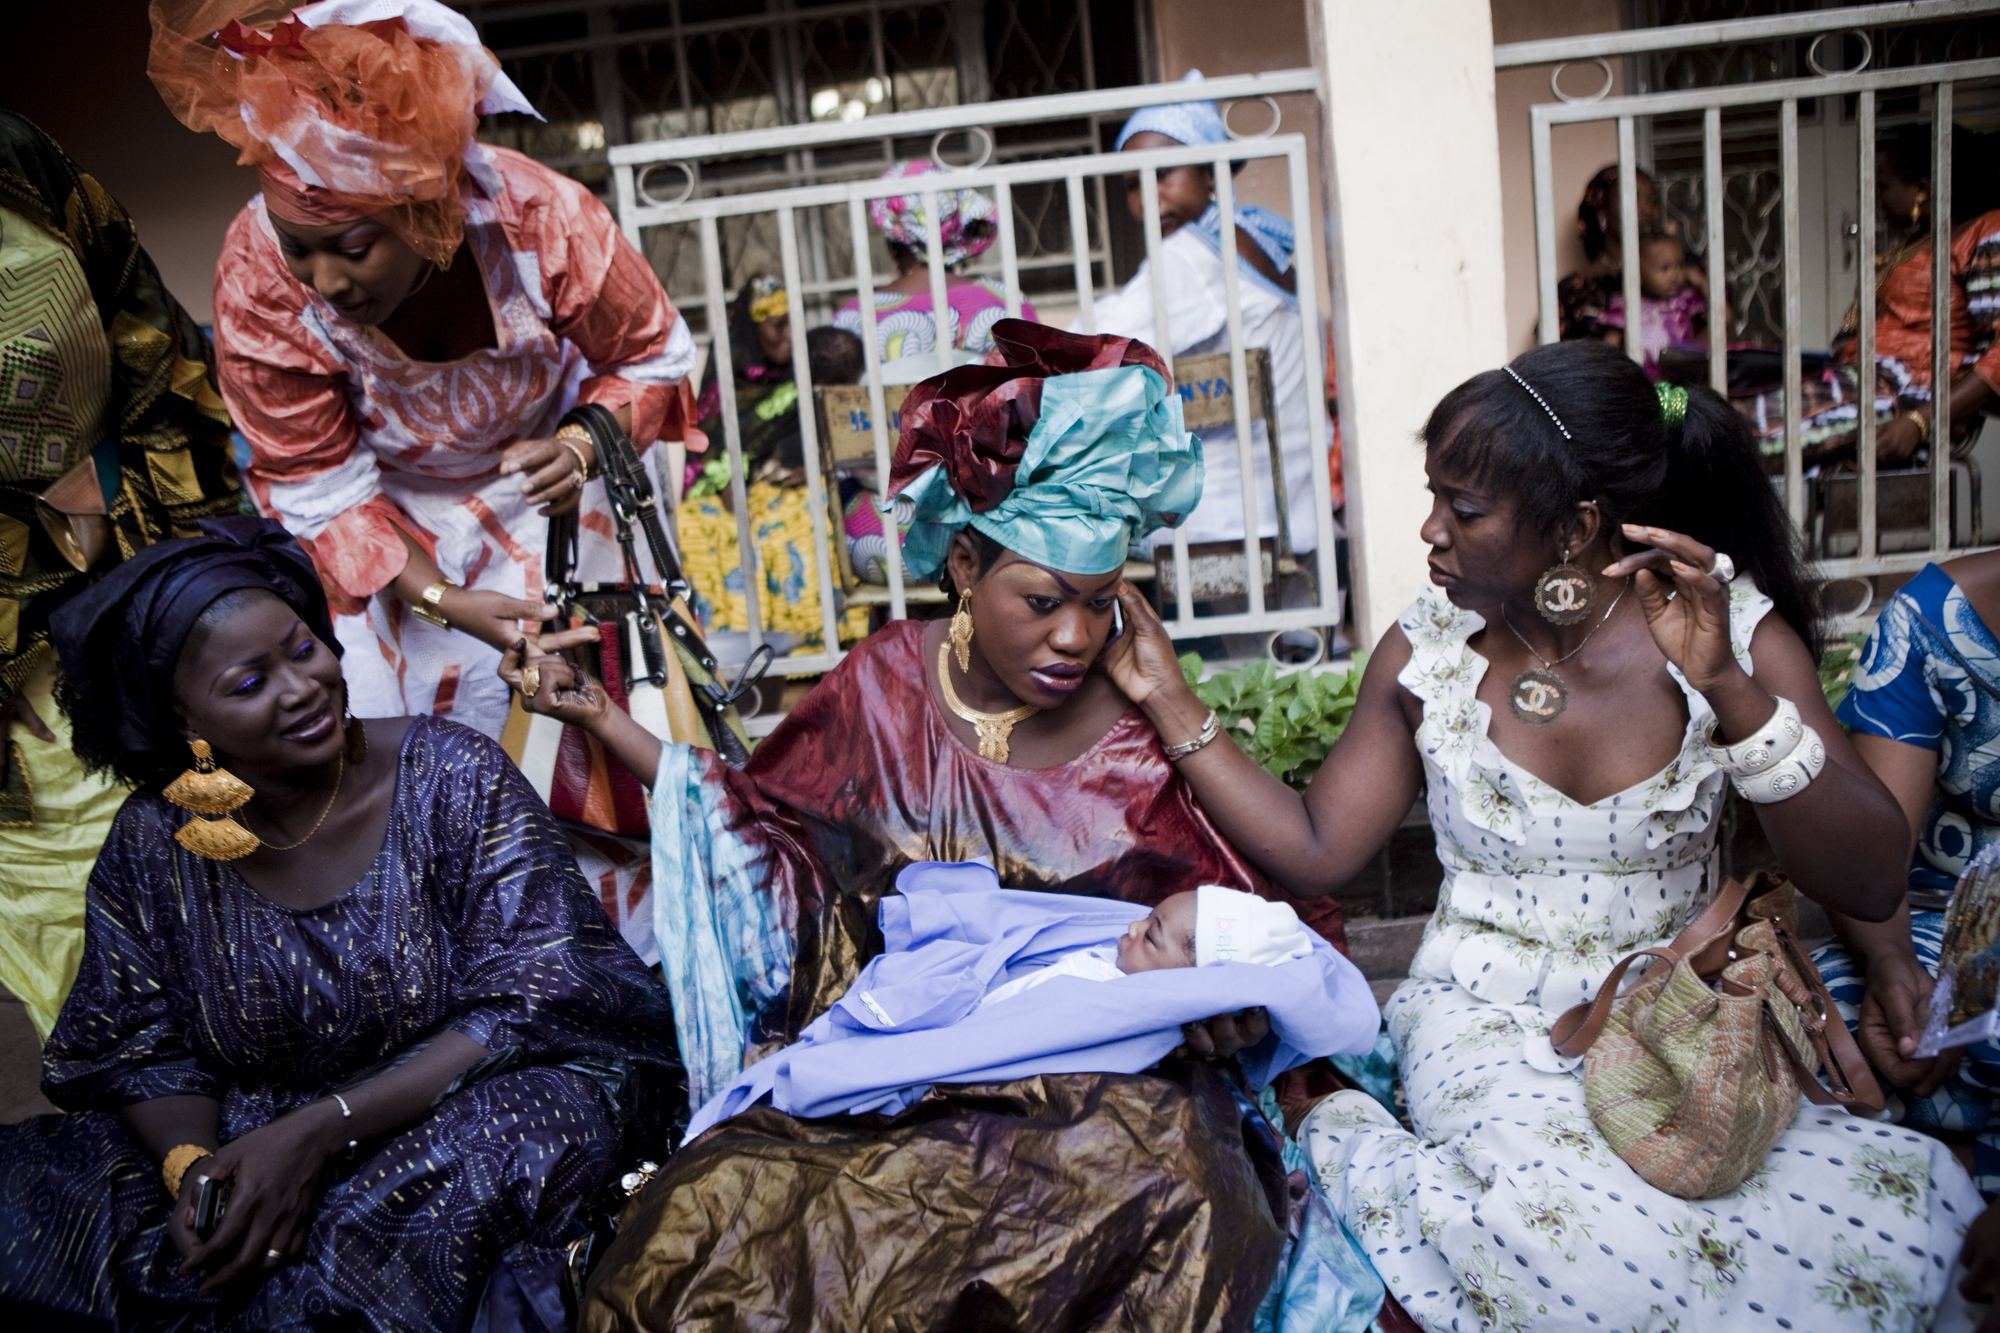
pixel 1930 677
pixel 472 919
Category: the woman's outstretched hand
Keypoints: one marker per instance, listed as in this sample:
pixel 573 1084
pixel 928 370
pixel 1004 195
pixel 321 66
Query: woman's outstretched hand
pixel 1686 606
pixel 561 691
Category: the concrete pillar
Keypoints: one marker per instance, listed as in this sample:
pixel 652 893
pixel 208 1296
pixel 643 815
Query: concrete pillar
pixel 1414 242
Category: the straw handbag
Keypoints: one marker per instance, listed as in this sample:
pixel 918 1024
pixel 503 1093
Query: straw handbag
pixel 1695 1072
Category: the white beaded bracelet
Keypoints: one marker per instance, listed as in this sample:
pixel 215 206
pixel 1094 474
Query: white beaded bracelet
pixel 1765 747
pixel 1788 777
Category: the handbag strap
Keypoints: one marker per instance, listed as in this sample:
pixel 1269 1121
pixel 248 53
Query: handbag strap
pixel 633 504
pixel 1582 1024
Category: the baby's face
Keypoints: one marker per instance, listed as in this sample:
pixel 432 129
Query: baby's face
pixel 1164 939
pixel 1662 268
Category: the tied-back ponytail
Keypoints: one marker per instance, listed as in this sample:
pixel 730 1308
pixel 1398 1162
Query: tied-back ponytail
pixel 1700 477
pixel 1717 493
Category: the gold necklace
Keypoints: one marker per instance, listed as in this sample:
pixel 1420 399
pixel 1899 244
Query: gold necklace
pixel 339 772
pixel 1539 697
pixel 992 727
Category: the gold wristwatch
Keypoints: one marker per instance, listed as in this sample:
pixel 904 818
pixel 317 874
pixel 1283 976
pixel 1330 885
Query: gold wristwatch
pixel 426 607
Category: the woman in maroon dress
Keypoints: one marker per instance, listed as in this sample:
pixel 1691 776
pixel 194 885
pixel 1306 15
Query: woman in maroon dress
pixel 987 737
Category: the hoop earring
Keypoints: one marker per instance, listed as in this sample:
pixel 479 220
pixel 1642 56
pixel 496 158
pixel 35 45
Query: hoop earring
pixel 960 635
pixel 208 790
pixel 1565 593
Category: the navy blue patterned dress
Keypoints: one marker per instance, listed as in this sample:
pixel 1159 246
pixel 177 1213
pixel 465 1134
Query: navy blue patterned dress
pixel 473 918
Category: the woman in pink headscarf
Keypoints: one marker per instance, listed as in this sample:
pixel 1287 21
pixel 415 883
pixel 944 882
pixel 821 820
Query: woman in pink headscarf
pixel 403 319
pixel 903 322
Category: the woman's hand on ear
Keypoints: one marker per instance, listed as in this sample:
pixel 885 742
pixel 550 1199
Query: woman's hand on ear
pixel 1686 607
pixel 1142 662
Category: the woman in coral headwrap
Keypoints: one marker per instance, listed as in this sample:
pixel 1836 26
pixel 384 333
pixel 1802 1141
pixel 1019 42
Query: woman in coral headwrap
pixel 989 737
pixel 403 319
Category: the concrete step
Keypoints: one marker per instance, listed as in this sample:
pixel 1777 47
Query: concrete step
pixel 1383 950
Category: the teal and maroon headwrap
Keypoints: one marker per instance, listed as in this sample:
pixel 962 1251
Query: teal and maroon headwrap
pixel 1064 455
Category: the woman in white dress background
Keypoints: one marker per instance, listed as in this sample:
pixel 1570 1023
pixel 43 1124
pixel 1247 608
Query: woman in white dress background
pixel 1191 253
pixel 1574 801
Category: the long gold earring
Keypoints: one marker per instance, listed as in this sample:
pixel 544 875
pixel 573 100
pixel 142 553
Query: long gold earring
pixel 208 790
pixel 1565 593
pixel 1917 208
pixel 961 632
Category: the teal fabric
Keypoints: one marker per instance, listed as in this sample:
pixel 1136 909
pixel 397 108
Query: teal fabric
pixel 1107 460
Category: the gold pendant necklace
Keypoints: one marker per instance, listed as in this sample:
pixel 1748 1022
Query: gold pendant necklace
pixel 1538 696
pixel 992 727
pixel 338 773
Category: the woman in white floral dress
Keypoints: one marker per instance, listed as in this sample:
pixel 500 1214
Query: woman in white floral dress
pixel 1574 801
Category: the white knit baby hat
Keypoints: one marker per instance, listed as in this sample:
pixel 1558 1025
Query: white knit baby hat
pixel 1231 926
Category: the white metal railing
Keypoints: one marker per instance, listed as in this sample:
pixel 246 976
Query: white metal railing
pixel 1598 46
pixel 1864 85
pixel 790 206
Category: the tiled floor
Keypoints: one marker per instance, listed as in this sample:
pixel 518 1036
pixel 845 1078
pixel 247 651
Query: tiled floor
pixel 20 1064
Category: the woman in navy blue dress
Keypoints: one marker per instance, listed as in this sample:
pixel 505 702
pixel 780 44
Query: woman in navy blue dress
pixel 397 1025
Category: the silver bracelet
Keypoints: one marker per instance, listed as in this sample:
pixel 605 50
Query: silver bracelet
pixel 1209 731
pixel 346 1113
pixel 1788 777
pixel 1764 748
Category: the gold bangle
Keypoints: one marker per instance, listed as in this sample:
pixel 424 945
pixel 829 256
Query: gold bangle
pixel 174 1169
pixel 428 606
pixel 575 432
pixel 582 465
pixel 1923 426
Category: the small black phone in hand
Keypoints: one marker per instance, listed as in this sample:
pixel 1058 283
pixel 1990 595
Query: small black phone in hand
pixel 211 1201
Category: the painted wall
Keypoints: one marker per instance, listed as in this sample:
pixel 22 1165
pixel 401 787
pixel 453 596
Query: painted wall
pixel 78 69
pixel 1578 150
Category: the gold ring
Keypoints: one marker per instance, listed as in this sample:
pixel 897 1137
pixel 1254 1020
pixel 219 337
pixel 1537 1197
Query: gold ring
pixel 531 681
pixel 576 480
pixel 274 1255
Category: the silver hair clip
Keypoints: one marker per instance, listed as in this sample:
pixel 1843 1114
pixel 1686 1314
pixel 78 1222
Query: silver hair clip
pixel 1539 399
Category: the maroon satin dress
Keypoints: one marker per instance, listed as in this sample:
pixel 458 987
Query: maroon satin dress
pixel 864 777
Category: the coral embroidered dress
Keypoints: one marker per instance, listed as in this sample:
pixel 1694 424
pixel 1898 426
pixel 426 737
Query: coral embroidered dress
pixel 353 442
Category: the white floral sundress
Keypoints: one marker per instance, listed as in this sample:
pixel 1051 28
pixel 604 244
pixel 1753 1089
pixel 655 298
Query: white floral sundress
pixel 1506 1210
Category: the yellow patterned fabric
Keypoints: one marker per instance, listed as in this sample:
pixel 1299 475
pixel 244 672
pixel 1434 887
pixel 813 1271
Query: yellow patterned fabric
pixel 55 361
pixel 48 862
pixel 787 574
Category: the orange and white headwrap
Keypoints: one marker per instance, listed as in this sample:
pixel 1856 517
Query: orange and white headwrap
pixel 348 108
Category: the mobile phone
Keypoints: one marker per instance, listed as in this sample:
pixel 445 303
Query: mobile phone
pixel 211 1201
pixel 1117 623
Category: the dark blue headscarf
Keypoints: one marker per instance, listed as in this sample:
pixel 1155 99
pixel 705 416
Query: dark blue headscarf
pixel 120 639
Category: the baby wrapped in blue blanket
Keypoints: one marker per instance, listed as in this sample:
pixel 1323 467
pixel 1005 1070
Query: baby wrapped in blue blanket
pixel 982 984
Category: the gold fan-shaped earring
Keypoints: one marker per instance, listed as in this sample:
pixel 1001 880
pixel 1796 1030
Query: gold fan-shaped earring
pixel 960 634
pixel 208 790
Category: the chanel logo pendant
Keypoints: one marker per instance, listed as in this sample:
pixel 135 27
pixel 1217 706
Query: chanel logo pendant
pixel 1565 594
pixel 1538 697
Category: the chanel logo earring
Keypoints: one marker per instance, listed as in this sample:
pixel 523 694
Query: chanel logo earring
pixel 208 790
pixel 1565 593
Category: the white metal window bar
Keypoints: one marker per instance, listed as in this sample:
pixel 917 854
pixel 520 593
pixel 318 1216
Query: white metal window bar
pixel 787 207
pixel 1711 102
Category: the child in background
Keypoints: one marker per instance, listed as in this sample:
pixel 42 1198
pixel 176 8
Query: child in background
pixel 1673 304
